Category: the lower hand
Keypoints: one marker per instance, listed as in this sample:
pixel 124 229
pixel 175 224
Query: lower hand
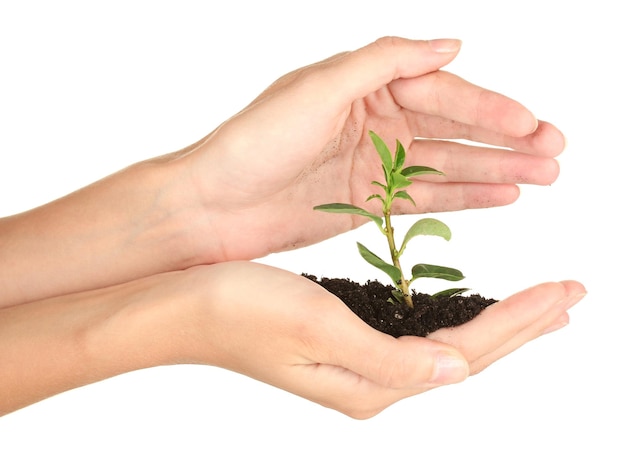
pixel 269 324
pixel 285 330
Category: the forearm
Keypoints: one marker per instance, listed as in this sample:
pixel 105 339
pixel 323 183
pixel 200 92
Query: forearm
pixel 134 223
pixel 54 345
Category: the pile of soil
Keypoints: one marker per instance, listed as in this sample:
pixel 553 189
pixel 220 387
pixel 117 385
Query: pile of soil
pixel 370 301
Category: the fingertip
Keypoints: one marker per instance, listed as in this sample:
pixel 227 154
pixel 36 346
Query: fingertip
pixel 510 194
pixel 574 293
pixel 574 287
pixel 549 139
pixel 522 121
pixel 529 123
pixel 564 293
pixel 534 123
pixel 445 45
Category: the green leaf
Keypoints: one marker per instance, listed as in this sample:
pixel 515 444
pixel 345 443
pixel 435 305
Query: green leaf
pixel 383 151
pixel 429 227
pixel 436 271
pixel 380 185
pixel 398 161
pixel 449 293
pixel 340 208
pixel 391 270
pixel 374 196
pixel 398 295
pixel 399 181
pixel 417 170
pixel 404 195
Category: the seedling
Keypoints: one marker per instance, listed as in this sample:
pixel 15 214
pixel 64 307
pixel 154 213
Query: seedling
pixel 397 179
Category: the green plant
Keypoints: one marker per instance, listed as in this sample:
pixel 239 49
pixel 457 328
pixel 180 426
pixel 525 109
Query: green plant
pixel 397 179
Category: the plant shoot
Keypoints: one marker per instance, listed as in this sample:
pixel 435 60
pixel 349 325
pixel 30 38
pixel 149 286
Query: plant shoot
pixel 397 179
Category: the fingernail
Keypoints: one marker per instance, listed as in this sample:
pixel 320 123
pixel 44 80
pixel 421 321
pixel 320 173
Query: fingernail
pixel 570 301
pixel 449 369
pixel 445 45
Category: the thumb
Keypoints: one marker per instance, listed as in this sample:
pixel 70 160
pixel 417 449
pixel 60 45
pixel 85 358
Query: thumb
pixel 359 371
pixel 371 67
pixel 401 363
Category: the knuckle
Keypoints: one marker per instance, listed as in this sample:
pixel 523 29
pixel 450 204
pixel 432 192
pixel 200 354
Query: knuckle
pixel 399 372
pixel 387 42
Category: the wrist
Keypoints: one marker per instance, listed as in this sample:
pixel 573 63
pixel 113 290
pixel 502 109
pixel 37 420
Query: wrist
pixel 148 324
pixel 192 210
pixel 164 319
pixel 140 221
pixel 54 345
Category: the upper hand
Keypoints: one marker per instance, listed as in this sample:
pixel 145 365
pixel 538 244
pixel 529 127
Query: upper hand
pixel 304 142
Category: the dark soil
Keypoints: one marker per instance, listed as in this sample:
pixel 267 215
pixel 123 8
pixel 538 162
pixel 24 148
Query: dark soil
pixel 370 303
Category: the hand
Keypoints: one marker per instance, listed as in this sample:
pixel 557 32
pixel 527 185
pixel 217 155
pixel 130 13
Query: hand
pixel 291 333
pixel 304 142
pixel 249 188
pixel 269 324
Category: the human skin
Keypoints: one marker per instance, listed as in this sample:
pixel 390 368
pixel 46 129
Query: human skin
pixel 248 188
pixel 307 342
pixel 143 268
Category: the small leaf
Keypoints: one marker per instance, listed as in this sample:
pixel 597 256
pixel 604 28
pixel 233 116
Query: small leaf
pixel 380 185
pixel 416 170
pixel 429 227
pixel 449 293
pixel 383 151
pixel 374 196
pixel 340 208
pixel 436 271
pixel 399 181
pixel 404 195
pixel 391 270
pixel 398 161
pixel 398 295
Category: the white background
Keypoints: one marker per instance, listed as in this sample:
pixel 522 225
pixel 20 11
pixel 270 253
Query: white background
pixel 89 88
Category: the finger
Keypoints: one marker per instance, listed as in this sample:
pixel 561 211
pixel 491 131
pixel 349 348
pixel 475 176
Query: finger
pixel 338 81
pixel 450 197
pixel 361 371
pixel 473 164
pixel 546 140
pixel 324 92
pixel 546 324
pixel 509 324
pixel 557 324
pixel 399 363
pixel 448 96
pixel 354 75
pixel 371 371
pixel 346 391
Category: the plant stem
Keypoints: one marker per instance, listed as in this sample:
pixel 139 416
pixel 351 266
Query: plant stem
pixel 403 285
